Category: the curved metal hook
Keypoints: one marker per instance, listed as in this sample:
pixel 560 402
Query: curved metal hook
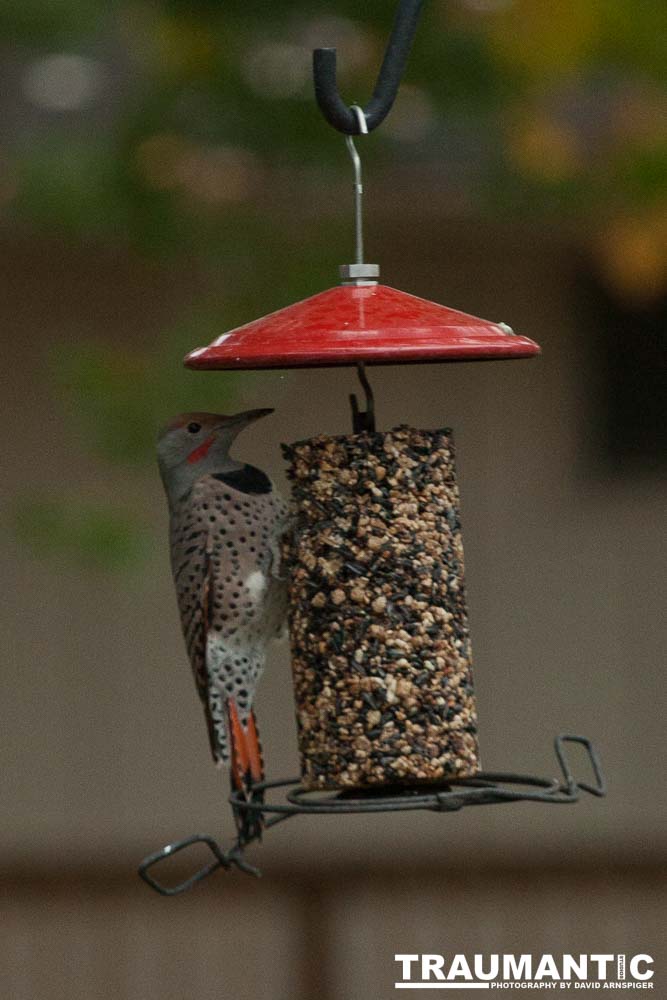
pixel 331 104
pixel 363 420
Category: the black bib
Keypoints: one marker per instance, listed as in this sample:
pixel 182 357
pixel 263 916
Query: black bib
pixel 246 480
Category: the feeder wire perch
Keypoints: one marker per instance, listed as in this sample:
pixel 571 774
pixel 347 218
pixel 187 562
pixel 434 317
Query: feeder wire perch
pixel 485 788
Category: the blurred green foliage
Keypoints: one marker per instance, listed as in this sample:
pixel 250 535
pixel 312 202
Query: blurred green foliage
pixel 205 95
pixel 113 395
pixel 82 535
pixel 118 398
pixel 57 22
pixel 159 124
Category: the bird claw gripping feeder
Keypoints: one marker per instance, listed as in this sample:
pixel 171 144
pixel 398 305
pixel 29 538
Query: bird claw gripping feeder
pixel 381 655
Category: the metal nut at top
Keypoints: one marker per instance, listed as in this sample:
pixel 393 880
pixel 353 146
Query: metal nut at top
pixel 354 273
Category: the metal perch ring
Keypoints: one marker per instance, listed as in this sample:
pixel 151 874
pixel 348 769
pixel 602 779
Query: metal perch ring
pixel 486 788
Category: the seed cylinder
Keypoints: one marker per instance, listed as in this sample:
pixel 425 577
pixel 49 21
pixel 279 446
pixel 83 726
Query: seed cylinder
pixel 378 620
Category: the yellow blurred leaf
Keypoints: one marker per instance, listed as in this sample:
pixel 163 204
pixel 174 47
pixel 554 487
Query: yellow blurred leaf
pixel 544 150
pixel 185 46
pixel 632 255
pixel 544 39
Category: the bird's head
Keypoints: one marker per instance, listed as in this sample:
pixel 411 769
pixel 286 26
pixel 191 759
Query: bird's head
pixel 194 444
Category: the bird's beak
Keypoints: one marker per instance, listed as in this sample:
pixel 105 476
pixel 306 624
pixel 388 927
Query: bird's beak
pixel 240 420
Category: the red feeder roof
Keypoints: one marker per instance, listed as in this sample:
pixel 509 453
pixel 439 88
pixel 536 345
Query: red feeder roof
pixel 348 324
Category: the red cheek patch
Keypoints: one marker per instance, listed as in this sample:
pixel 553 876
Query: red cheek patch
pixel 202 451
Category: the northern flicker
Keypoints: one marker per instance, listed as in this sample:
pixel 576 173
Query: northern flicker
pixel 226 523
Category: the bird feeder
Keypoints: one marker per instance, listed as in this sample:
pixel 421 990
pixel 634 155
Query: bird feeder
pixel 381 652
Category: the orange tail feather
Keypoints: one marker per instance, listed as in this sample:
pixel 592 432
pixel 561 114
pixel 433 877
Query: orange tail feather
pixel 247 769
pixel 254 748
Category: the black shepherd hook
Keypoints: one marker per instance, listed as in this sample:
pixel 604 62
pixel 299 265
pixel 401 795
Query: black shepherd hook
pixel 332 106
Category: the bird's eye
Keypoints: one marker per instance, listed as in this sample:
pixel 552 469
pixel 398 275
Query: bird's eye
pixel 194 427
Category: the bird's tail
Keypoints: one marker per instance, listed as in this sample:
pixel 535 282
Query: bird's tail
pixel 247 771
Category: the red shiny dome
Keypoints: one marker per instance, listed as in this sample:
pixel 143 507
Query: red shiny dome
pixel 349 324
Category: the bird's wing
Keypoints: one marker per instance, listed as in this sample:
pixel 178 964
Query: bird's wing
pixel 193 577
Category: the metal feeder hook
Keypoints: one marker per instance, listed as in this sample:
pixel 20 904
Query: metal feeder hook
pixel 331 104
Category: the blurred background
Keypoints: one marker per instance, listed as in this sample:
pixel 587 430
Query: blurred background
pixel 164 176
